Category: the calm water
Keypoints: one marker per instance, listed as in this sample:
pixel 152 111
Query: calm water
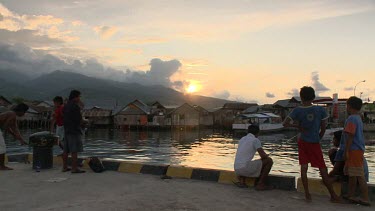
pixel 204 148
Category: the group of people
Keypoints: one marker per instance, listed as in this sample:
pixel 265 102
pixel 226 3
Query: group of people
pixel 68 120
pixel 311 121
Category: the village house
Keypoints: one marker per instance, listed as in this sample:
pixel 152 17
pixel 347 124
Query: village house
pixel 97 116
pixel 188 116
pixel 284 107
pixel 135 114
pixel 224 117
pixel 157 114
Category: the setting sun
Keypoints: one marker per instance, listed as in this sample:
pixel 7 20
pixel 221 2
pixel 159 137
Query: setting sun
pixel 193 87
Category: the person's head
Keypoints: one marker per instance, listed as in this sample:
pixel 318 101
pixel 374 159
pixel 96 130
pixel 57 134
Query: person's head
pixel 253 129
pixel 353 105
pixel 58 100
pixel 307 94
pixel 20 109
pixel 75 95
pixel 337 138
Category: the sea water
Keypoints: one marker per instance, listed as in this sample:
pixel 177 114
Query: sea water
pixel 195 148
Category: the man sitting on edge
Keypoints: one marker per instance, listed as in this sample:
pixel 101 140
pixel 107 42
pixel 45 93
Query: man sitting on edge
pixel 245 166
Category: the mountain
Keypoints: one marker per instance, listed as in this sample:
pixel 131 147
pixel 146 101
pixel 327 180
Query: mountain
pixel 101 91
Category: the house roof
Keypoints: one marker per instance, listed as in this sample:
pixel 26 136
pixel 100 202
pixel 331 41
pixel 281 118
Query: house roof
pixel 137 103
pixel 284 103
pixel 199 108
pixel 238 106
pixel 97 112
pixel 5 99
pixel 260 115
pixel 316 100
pixel 251 109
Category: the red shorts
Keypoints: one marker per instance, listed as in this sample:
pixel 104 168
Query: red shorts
pixel 310 153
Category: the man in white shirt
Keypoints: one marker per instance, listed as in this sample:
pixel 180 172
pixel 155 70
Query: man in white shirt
pixel 245 166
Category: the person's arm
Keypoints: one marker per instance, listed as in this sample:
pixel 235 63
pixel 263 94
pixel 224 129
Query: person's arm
pixel 348 143
pixel 13 129
pixel 262 154
pixel 287 123
pixel 53 121
pixel 323 127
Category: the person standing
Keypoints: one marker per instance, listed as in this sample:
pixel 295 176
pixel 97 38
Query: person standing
pixel 8 123
pixel 57 118
pixel 311 121
pixel 245 166
pixel 73 136
pixel 354 150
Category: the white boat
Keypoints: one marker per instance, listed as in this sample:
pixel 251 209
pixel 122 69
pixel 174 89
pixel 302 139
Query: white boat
pixel 268 122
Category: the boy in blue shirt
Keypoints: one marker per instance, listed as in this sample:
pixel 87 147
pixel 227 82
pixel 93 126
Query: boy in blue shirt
pixel 354 149
pixel 311 121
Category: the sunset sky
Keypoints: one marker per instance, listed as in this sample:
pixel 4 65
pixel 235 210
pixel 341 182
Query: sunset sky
pixel 248 50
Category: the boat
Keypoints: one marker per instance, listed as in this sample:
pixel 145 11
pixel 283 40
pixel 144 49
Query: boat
pixel 267 122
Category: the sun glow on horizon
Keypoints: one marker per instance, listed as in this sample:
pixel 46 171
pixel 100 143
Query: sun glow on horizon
pixel 193 87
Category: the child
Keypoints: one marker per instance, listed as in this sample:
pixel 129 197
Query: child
pixel 354 150
pixel 336 156
pixel 311 123
pixel 57 118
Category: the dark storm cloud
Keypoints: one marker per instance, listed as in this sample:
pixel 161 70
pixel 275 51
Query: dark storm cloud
pixel 24 59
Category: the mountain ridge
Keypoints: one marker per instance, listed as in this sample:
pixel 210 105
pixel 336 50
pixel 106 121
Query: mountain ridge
pixel 98 90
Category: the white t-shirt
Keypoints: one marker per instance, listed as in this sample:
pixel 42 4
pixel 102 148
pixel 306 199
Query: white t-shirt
pixel 247 147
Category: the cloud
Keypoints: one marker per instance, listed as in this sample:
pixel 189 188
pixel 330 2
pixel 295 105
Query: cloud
pixel 348 88
pixel 105 32
pixel 316 84
pixel 28 37
pixel 150 40
pixel 222 94
pixel 270 95
pixel 77 23
pixel 35 21
pixel 159 73
pixel 293 93
pixel 22 58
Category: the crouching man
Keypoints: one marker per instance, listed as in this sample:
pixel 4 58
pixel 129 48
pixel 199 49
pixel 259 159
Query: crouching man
pixel 245 166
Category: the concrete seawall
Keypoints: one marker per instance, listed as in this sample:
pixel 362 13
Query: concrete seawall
pixel 289 183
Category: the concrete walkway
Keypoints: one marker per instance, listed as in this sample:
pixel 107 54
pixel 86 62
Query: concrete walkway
pixel 24 189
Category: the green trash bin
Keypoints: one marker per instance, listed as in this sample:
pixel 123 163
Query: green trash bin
pixel 42 143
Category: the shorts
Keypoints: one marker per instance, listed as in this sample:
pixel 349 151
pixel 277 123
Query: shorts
pixel 252 169
pixel 3 148
pixel 355 163
pixel 310 153
pixel 73 143
pixel 60 133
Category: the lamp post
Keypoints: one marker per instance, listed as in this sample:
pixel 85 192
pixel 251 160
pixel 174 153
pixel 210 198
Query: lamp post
pixel 357 84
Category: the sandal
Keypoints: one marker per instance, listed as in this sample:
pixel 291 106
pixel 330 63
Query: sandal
pixel 364 203
pixel 240 185
pixel 78 171
pixel 65 170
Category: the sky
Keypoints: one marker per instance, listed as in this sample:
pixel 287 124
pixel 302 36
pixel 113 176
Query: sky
pixel 246 50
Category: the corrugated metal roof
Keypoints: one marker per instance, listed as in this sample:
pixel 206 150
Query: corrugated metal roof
pixel 260 115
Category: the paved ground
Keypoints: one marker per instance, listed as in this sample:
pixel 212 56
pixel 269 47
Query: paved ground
pixel 24 189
